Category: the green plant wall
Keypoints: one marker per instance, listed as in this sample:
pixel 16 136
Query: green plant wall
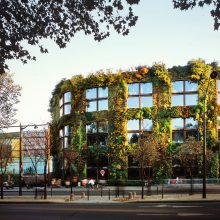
pixel 117 115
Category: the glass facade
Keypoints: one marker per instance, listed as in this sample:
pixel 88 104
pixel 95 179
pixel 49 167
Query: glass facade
pixel 139 95
pixel 65 137
pixel 97 136
pixel 97 99
pixel 184 93
pixel 183 128
pixel 65 104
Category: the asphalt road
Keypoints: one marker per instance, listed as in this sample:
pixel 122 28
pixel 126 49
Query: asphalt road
pixel 124 211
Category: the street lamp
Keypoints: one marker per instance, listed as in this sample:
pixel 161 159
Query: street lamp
pixel 213 75
pixel 20 154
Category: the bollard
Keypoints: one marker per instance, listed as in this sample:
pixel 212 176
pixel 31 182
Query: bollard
pixel 109 194
pixel 83 195
pixel 162 192
pixel 88 194
pixel 157 190
pixel 51 191
pixel 101 191
pixel 72 196
pixel 134 194
pixel 130 195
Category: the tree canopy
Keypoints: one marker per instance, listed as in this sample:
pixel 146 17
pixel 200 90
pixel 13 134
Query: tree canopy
pixel 190 4
pixel 30 21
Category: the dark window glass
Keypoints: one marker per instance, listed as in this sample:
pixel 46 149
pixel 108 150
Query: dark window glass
pixel 190 123
pixel 178 137
pixel 103 127
pixel 132 137
pixel 92 127
pixel 192 134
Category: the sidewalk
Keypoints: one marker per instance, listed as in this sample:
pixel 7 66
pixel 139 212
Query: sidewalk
pixel 177 198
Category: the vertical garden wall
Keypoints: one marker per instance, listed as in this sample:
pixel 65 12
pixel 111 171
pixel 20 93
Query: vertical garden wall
pixel 117 114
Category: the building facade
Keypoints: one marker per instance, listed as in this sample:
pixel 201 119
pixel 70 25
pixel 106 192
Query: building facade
pixel 96 118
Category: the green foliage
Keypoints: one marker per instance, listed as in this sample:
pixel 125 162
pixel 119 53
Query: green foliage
pixel 118 113
pixel 214 171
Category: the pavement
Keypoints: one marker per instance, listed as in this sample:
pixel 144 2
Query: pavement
pixel 130 196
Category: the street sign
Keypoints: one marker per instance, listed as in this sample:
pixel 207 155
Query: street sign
pixel 102 172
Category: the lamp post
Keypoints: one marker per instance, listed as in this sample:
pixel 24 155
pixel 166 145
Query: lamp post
pixel 213 75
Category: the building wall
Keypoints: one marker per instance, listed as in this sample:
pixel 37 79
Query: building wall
pixel 117 115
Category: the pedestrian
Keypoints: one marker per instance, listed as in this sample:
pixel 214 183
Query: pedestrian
pixel 91 183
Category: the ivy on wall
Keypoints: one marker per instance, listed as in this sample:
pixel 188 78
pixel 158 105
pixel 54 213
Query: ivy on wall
pixel 118 114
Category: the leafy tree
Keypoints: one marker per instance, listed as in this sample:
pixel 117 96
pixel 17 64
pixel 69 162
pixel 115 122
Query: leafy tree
pixel 190 154
pixel 145 153
pixel 30 21
pixel 190 4
pixel 9 93
pixel 8 152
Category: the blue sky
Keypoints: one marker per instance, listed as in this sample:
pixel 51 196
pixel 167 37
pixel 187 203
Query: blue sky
pixel 162 34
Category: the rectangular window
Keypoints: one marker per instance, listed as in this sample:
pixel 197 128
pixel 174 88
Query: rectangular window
pixel 133 102
pixel 184 93
pixel 177 100
pixel 133 89
pixel 146 101
pixel 146 88
pixel 65 104
pixel 103 92
pixel 139 95
pixel 132 137
pixel 103 105
pixel 91 106
pixel 139 125
pixel 191 86
pixel 191 99
pixel 133 125
pixel 183 128
pixel 147 125
pixel 97 136
pixel 65 137
pixel 91 93
pixel 97 99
